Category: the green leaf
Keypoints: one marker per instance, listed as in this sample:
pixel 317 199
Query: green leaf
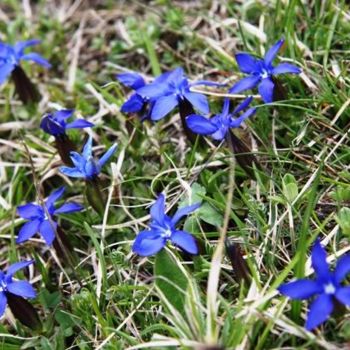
pixel 197 194
pixel 171 279
pixel 208 214
pixel 290 187
pixel 343 219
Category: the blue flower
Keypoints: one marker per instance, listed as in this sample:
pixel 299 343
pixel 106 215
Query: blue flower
pixel 55 123
pixel 261 72
pixel 162 229
pixel 9 286
pixel 40 218
pixel 218 126
pixel 326 288
pixel 167 93
pixel 10 57
pixel 85 165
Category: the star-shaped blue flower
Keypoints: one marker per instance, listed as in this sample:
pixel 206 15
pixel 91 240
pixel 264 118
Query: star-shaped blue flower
pixel 326 288
pixel 167 93
pixel 261 72
pixel 41 220
pixel 219 125
pixel 55 123
pixel 9 286
pixel 162 229
pixel 10 57
pixel 85 165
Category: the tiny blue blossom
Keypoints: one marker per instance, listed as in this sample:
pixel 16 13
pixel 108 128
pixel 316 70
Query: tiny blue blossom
pixel 167 93
pixel 55 123
pixel 219 125
pixel 41 218
pixel 326 288
pixel 261 72
pixel 85 165
pixel 9 286
pixel 10 57
pixel 162 229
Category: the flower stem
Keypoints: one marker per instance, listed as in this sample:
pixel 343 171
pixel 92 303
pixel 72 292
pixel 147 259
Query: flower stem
pixel 95 196
pixel 64 146
pixel 186 109
pixel 26 90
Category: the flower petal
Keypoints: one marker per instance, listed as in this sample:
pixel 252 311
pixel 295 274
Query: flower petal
pixel 47 230
pixel 343 295
pixel 185 241
pixel 53 197
pixel 134 104
pixel 148 243
pixel 342 268
pixel 243 105
pixel 300 289
pixel 28 230
pixel 272 52
pixel 320 310
pixel 3 303
pixel 20 46
pixel 319 262
pixel 245 84
pixel 181 212
pixel 35 57
pixel 163 106
pixel 266 88
pixel 246 63
pixel 69 208
pixel 198 101
pixel 200 125
pixel 63 114
pixel 158 210
pixel 87 150
pixel 133 80
pixel 79 124
pixel 30 211
pixel 153 90
pixel 283 68
pixel 235 123
pixel 17 266
pixel 22 289
pixel 5 71
pixel 104 159
pixel 72 172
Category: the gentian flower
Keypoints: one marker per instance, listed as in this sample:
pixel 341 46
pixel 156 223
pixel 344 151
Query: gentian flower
pixel 162 229
pixel 55 123
pixel 261 72
pixel 10 57
pixel 219 125
pixel 173 91
pixel 326 288
pixel 18 288
pixel 85 165
pixel 41 220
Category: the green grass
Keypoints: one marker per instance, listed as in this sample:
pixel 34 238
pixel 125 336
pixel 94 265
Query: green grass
pixel 112 299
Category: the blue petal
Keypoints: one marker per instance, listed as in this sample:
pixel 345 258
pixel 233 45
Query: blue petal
pixel 53 197
pixel 163 106
pixel 107 155
pixel 162 78
pixel 148 243
pixel 133 80
pixel 245 84
pixel 319 262
pixel 3 303
pixel 153 90
pixel 319 312
pixel 242 105
pixel 235 123
pixel 286 68
pixel 30 211
pixel 20 46
pixel 47 230
pixel 16 267
pixel 28 230
pixel 158 210
pixel 266 88
pixel 272 52
pixel 343 295
pixel 134 104
pixel 35 57
pixel 72 172
pixel 185 241
pixel 198 101
pixel 79 124
pixel 226 107
pixel 181 212
pixel 69 208
pixel 247 63
pixel 342 268
pixel 200 125
pixel 92 169
pixel 63 114
pixel 87 150
pixel 5 71
pixel 300 289
pixel 52 126
pixel 22 289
